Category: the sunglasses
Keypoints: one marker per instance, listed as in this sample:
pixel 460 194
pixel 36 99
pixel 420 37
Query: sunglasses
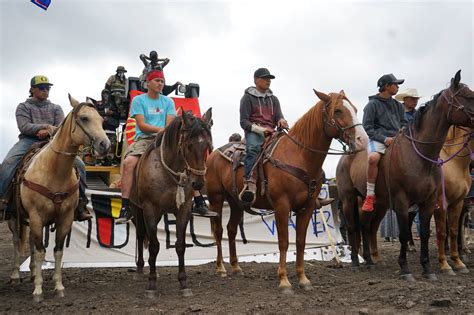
pixel 43 87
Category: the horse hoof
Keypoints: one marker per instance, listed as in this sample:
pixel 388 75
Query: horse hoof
pixel 407 277
pixel 287 291
pixel 448 272
pixel 462 270
pixel 223 274
pixel 238 272
pixel 430 276
pixel 38 298
pixel 151 294
pixel 187 292
pixel 306 286
pixel 60 293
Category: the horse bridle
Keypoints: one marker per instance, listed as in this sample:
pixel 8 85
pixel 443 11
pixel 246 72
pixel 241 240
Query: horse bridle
pixel 182 177
pixel 181 149
pixel 75 111
pixel 453 102
pixel 342 131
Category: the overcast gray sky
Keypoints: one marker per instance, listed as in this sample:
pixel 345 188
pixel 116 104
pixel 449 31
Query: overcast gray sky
pixel 326 45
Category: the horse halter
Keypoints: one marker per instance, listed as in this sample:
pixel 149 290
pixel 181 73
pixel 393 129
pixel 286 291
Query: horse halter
pixel 453 102
pixel 342 131
pixel 194 171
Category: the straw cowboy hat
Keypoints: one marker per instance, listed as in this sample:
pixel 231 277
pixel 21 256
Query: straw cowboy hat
pixel 410 92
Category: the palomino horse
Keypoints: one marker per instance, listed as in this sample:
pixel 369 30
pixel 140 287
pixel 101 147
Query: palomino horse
pixel 409 172
pixel 165 178
pixel 304 147
pixel 457 182
pixel 49 190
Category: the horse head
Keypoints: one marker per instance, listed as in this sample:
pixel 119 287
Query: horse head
pixel 90 131
pixel 196 143
pixel 460 101
pixel 340 120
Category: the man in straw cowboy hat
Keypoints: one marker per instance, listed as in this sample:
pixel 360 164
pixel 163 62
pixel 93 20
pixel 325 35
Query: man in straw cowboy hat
pixel 409 99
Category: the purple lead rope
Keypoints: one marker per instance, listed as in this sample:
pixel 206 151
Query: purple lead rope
pixel 439 162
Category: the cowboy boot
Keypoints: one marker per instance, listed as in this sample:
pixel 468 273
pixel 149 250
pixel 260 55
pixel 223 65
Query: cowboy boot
pixel 248 194
pixel 82 214
pixel 200 208
pixel 323 202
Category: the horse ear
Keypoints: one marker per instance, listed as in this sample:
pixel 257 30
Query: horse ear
pixel 457 78
pixel 323 97
pixel 207 117
pixel 72 100
pixel 90 100
pixel 186 116
pixel 342 93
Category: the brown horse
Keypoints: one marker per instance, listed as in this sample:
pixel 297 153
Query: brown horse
pixel 409 172
pixel 49 190
pixel 457 182
pixel 165 178
pixel 304 147
pixel 351 180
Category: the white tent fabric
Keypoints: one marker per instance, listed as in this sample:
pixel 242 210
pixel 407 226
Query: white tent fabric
pixel 95 244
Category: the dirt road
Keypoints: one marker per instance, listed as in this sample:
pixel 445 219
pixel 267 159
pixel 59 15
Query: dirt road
pixel 335 290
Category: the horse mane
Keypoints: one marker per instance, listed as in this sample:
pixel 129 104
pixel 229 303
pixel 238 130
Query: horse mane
pixel 423 109
pixel 303 130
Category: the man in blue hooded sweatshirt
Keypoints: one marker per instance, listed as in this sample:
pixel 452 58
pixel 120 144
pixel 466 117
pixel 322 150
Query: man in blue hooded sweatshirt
pixel 260 113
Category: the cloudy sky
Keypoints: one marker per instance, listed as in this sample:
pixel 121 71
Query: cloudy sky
pixel 326 45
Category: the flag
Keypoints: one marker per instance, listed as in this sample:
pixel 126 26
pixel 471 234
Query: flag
pixel 43 4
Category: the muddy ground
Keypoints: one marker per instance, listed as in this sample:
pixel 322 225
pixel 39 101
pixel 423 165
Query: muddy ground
pixel 119 290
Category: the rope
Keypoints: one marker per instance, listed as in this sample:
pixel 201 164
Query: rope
pixel 331 241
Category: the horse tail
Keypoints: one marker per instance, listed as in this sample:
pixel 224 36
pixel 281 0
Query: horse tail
pixel 23 234
pixel 145 242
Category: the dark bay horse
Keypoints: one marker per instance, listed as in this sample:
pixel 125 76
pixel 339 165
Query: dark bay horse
pixel 304 147
pixel 49 190
pixel 457 180
pixel 165 178
pixel 409 173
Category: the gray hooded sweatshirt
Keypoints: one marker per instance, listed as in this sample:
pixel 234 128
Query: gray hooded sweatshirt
pixel 32 116
pixel 259 108
pixel 383 118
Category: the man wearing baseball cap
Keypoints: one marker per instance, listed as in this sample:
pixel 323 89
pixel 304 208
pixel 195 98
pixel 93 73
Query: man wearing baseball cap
pixel 36 118
pixel 152 111
pixel 383 118
pixel 260 114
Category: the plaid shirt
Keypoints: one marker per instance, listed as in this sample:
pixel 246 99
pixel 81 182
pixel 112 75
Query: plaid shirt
pixel 32 116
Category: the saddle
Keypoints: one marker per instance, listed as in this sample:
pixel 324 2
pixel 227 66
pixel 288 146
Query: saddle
pixel 235 153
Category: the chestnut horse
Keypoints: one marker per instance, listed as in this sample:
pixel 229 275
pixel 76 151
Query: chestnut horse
pixel 49 190
pixel 409 172
pixel 165 178
pixel 457 181
pixel 305 147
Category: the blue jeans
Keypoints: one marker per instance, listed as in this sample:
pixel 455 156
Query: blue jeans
pixel 254 143
pixel 11 161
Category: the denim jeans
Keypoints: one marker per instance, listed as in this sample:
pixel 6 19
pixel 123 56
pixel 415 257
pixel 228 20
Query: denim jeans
pixel 11 161
pixel 254 143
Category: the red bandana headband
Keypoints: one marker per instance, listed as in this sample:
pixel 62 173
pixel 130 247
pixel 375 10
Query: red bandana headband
pixel 155 74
